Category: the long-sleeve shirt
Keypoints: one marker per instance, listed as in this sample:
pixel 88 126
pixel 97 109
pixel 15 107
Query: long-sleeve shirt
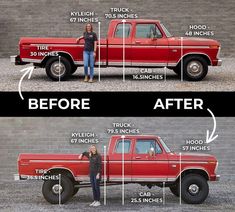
pixel 95 163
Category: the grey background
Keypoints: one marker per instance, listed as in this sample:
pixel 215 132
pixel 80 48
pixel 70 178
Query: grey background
pixel 52 135
pixel 21 18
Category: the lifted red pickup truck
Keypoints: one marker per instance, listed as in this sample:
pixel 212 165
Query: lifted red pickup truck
pixel 147 161
pixel 147 44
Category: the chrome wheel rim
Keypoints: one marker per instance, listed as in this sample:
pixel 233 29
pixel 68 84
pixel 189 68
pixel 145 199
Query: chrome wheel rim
pixel 193 189
pixel 194 68
pixel 56 189
pixel 58 69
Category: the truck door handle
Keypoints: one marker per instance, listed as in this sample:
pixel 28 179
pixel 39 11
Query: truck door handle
pixel 138 157
pixel 137 41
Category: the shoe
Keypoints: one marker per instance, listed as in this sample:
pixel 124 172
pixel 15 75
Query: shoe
pixel 97 203
pixel 92 204
pixel 86 79
pixel 90 80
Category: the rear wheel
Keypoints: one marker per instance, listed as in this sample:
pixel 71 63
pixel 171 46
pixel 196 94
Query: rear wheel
pixel 58 69
pixel 51 190
pixel 194 189
pixel 75 191
pixel 73 69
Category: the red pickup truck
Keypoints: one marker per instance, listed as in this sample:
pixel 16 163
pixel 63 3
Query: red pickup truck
pixel 147 44
pixel 142 159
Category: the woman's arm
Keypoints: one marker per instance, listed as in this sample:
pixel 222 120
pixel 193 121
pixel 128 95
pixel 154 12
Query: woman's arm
pixel 86 154
pixel 81 37
pixel 95 44
pixel 95 47
pixel 99 167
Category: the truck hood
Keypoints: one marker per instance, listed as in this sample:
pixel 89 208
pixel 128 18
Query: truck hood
pixel 194 41
pixel 33 156
pixel 192 157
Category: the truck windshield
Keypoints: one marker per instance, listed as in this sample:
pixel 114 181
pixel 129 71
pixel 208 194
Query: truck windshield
pixel 167 33
pixel 167 149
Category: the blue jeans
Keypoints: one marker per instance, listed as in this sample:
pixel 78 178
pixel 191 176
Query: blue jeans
pixel 95 184
pixel 88 58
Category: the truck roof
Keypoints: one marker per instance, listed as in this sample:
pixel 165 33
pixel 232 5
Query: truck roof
pixel 135 20
pixel 134 136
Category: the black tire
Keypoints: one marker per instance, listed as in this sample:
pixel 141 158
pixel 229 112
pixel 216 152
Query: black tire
pixel 175 189
pixel 73 69
pixel 189 195
pixel 195 68
pixel 53 71
pixel 66 193
pixel 75 191
pixel 177 70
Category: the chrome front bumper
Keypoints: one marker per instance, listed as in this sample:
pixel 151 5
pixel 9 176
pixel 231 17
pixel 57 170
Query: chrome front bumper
pixel 217 178
pixel 219 63
pixel 16 60
pixel 16 177
pixel 13 58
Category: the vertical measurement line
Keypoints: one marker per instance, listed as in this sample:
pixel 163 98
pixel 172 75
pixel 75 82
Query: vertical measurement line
pixel 59 189
pixel 123 49
pixel 123 171
pixel 99 51
pixel 105 175
pixel 181 54
pixel 165 74
pixel 164 193
pixel 59 68
pixel 180 180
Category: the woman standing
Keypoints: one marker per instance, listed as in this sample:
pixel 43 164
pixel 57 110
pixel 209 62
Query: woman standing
pixel 89 52
pixel 95 172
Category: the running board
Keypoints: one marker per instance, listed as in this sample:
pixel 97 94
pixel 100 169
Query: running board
pixel 85 185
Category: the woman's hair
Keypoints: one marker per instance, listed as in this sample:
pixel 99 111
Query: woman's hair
pixel 86 27
pixel 96 151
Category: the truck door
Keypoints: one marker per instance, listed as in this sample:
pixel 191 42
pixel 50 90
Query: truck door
pixel 115 160
pixel 149 47
pixel 149 161
pixel 115 45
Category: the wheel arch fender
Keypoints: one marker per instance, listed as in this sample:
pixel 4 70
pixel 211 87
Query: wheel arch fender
pixel 64 54
pixel 194 170
pixel 199 54
pixel 61 170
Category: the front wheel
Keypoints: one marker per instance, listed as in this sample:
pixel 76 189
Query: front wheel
pixel 194 189
pixel 195 68
pixel 58 69
pixel 51 190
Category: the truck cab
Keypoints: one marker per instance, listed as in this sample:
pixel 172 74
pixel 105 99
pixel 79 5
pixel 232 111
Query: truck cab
pixel 130 43
pixel 137 159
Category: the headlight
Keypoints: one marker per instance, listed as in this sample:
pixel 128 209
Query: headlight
pixel 216 166
pixel 218 53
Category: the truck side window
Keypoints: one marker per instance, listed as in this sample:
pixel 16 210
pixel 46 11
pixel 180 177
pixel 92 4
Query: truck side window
pixel 143 146
pixel 119 31
pixel 127 144
pixel 147 31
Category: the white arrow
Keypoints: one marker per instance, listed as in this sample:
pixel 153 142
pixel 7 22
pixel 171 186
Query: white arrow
pixel 29 71
pixel 211 137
